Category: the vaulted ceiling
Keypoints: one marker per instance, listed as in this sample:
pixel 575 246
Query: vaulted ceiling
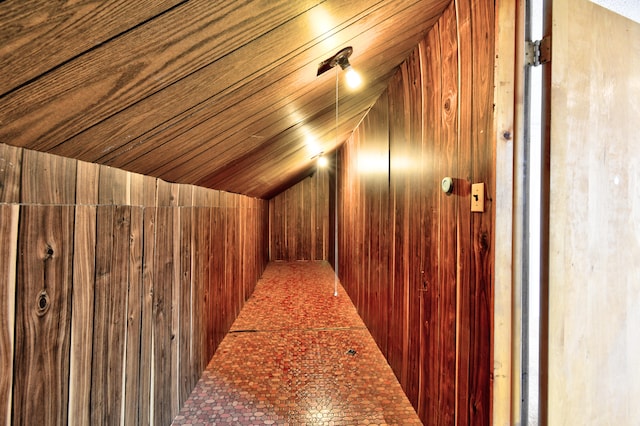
pixel 222 94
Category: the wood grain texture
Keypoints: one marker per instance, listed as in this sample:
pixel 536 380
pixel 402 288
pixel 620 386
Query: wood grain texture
pixel 183 89
pixel 509 204
pixel 43 315
pixel 146 327
pixel 162 315
pixel 113 186
pixel 88 178
pixel 437 291
pixel 186 302
pixel 9 216
pixel 453 215
pixel 590 325
pixel 299 220
pixel 118 307
pixel 10 173
pixel 134 316
pixel 239 77
pixel 429 408
pixel 400 168
pixel 47 179
pixel 39 35
pixel 182 41
pixel 113 229
pixel 84 262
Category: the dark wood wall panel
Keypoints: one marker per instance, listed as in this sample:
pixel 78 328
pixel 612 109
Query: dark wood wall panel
pixel 82 318
pixel 8 253
pixel 299 220
pixel 148 283
pixel 417 262
pixel 477 50
pixel 110 312
pixel 134 315
pixel 119 288
pixel 43 315
pixel 10 172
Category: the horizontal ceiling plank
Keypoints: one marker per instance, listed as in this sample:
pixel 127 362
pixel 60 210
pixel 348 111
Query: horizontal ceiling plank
pixel 281 157
pixel 267 113
pixel 269 124
pixel 36 36
pixel 201 168
pixel 151 57
pixel 217 88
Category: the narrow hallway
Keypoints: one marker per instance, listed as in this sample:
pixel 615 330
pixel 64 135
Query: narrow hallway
pixel 298 355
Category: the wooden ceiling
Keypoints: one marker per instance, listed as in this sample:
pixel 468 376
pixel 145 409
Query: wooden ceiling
pixel 218 94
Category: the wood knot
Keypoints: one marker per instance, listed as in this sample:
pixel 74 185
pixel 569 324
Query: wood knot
pixel 447 105
pixel 484 242
pixel 42 303
pixel 48 252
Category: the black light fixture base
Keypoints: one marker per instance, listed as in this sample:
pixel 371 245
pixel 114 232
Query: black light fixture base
pixel 341 58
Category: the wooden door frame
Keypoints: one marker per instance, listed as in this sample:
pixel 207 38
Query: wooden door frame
pixel 509 145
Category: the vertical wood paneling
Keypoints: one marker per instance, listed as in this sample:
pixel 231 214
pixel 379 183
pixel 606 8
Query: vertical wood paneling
pixel 87 183
pixel 226 201
pixel 429 408
pixel 217 282
pixel 415 185
pixel 110 313
pixel 113 186
pixel 10 171
pixel 47 179
pixel 43 312
pixel 163 306
pixel 400 162
pixel 8 255
pixel 186 293
pixel 299 219
pixel 148 197
pixel 452 210
pixel 84 261
pixel 464 24
pixel 134 316
pixel 431 310
pixel 483 156
pixel 124 287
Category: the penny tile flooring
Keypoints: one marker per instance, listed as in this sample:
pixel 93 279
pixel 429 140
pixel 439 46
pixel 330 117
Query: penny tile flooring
pixel 298 355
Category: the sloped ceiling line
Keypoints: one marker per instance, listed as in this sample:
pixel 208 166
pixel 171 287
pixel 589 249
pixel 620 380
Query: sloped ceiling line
pixel 222 94
pixel 205 109
pixel 322 97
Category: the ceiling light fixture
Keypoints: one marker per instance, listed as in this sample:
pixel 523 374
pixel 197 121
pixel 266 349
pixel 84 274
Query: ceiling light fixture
pixel 342 58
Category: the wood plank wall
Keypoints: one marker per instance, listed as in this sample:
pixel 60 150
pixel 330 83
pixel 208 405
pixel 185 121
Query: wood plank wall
pixel 416 262
pixel 116 288
pixel 300 222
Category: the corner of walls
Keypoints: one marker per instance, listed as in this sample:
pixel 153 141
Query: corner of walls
pixel 299 220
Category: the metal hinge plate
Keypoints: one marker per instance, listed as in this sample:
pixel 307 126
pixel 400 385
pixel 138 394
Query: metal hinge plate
pixel 538 52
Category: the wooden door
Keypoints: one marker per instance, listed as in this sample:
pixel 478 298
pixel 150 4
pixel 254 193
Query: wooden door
pixel 592 349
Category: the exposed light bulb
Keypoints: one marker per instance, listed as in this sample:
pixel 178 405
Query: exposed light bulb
pixel 353 78
pixel 322 161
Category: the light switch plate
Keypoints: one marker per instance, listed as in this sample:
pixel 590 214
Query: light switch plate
pixel 477 197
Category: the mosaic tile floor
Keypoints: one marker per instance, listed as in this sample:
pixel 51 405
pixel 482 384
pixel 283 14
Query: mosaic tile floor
pixel 297 355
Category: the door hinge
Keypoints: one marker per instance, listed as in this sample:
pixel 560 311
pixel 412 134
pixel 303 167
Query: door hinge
pixel 537 52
